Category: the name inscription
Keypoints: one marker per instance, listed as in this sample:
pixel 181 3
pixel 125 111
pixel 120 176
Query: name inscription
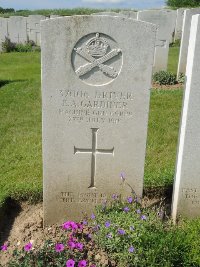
pixel 96 107
pixel 92 198
pixel 192 195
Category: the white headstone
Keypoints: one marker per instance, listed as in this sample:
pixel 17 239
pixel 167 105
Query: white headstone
pixel 185 38
pixel 186 195
pixel 33 27
pixel 165 21
pixel 3 31
pixel 17 29
pixel 96 80
pixel 179 23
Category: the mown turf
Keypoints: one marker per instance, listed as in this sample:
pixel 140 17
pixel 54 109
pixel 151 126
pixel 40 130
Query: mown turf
pixel 173 59
pixel 20 130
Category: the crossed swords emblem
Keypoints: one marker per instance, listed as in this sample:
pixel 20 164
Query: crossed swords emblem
pixel 94 62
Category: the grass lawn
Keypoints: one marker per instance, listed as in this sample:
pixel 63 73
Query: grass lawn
pixel 20 129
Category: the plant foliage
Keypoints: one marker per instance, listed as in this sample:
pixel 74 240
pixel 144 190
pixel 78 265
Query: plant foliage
pixel 183 3
pixel 164 78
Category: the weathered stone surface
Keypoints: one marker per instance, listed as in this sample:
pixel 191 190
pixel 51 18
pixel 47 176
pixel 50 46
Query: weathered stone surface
pixel 3 31
pixel 186 196
pixel 165 21
pixel 17 29
pixel 179 23
pixel 54 16
pixel 129 13
pixel 33 27
pixel 185 38
pixel 96 84
pixel 107 13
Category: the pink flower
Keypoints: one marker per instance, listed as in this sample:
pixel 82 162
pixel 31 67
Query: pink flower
pixel 73 225
pixel 70 263
pixel 70 225
pixel 59 247
pixel 4 247
pixel 28 247
pixel 82 263
pixel 79 246
pixel 71 244
pixel 66 225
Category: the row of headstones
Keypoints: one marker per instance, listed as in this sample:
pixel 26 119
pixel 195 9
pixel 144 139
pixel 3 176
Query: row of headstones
pixel 96 80
pixel 172 26
pixel 21 29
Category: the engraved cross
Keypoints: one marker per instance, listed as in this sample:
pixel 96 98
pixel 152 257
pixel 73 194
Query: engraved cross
pixel 94 151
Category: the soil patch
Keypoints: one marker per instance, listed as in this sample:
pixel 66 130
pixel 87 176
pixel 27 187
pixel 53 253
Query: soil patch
pixel 167 87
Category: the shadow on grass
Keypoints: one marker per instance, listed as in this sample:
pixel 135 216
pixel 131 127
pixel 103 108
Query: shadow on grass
pixel 5 82
pixel 10 211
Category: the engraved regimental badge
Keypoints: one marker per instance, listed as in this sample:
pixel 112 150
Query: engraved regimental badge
pixel 97 59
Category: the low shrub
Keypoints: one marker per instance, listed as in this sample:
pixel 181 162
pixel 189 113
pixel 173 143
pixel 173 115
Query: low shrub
pixel 181 78
pixel 164 78
pixel 29 46
pixel 8 46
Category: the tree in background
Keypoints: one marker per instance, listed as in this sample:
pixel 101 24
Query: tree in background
pixel 183 3
pixel 6 10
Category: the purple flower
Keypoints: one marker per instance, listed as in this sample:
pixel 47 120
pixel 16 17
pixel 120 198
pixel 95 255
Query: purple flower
pixel 71 244
pixel 122 176
pixel 132 228
pixel 59 247
pixel 93 216
pixel 82 263
pixel 131 249
pixel 138 211
pixel 130 200
pixel 70 263
pixel 85 222
pixel 93 265
pixel 143 217
pixel 109 235
pixel 126 209
pixel 89 236
pixel 28 247
pixel 4 247
pixel 79 246
pixel 121 232
pixel 114 196
pixel 107 224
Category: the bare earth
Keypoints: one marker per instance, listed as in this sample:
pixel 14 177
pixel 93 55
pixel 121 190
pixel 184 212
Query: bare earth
pixel 26 227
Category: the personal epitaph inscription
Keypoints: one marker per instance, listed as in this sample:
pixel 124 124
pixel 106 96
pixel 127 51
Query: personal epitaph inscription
pixel 96 80
pixel 94 151
pixel 103 59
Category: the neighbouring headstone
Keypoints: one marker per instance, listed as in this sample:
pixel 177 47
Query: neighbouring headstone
pixel 179 23
pixel 129 13
pixel 17 29
pixel 185 39
pixel 186 195
pixel 165 21
pixel 3 31
pixel 96 80
pixel 33 27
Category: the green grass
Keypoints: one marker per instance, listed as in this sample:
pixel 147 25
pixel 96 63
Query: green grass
pixel 20 130
pixel 173 59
